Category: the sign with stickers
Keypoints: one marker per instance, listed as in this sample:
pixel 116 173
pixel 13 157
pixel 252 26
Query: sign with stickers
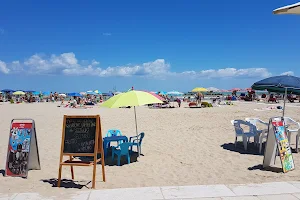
pixel 277 137
pixel 22 151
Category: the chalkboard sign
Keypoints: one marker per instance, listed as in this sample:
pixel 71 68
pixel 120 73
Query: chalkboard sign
pixel 80 135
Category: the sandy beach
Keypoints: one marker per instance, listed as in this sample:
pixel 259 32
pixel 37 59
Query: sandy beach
pixel 182 146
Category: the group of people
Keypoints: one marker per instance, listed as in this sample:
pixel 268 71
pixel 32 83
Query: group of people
pixel 81 101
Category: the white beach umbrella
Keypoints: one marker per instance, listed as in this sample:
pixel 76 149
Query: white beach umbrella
pixel 289 9
pixel 116 93
pixel 213 89
pixel 174 93
pixel 62 95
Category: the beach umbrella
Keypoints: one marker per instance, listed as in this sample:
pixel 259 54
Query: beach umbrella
pixel 174 93
pixel 91 92
pixel 132 98
pixel 62 95
pixel 289 9
pixel 7 90
pixel 161 92
pixel 279 84
pixel 46 93
pixel 199 89
pixel 235 89
pixel 19 93
pixel 74 94
pixel 98 91
pixel 36 93
pixel 156 95
pixel 213 89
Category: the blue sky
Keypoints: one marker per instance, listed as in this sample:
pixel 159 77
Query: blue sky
pixel 154 45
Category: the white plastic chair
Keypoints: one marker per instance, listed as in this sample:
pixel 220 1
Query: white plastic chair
pixel 261 134
pixel 289 121
pixel 239 132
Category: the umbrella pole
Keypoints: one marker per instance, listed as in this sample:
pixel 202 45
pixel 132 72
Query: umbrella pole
pixel 136 131
pixel 285 94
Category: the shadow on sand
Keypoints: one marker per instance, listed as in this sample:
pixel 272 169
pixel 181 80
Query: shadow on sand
pixel 270 169
pixel 110 162
pixel 65 183
pixel 251 149
pixel 2 171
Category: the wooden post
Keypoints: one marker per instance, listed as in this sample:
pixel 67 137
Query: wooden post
pixel 72 170
pixel 101 151
pixel 61 152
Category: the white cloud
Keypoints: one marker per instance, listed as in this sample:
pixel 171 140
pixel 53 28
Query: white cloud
pixel 229 72
pixel 288 73
pixel 39 64
pixel 3 67
pixel 94 62
pixel 68 64
pixel 156 68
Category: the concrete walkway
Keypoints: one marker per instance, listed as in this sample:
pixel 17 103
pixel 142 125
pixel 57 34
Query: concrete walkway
pixel 264 191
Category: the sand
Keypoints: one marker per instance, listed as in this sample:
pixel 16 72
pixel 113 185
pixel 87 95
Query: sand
pixel 182 146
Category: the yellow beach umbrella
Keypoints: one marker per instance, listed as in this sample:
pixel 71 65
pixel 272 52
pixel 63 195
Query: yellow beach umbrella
pixel 199 89
pixel 19 93
pixel 132 98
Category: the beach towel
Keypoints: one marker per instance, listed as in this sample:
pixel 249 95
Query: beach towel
pixel 269 108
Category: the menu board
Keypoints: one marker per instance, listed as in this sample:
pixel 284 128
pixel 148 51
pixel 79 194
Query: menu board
pixel 79 135
pixel 284 148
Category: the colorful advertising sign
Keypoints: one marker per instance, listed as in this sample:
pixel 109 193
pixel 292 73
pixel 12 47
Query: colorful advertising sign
pixel 18 149
pixel 284 148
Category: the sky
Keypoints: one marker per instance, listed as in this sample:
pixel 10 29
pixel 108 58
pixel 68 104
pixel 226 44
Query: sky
pixel 74 46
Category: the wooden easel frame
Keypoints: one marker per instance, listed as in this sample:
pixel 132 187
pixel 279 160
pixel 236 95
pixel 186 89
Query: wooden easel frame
pixel 97 149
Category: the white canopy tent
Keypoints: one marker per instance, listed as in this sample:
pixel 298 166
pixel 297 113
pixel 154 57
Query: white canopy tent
pixel 289 9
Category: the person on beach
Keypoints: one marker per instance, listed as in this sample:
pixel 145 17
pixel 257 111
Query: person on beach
pixel 198 98
pixel 179 102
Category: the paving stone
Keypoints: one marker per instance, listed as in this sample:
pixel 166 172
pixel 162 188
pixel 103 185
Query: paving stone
pixel 264 189
pixel 278 197
pixel 241 198
pixel 199 191
pixel 146 193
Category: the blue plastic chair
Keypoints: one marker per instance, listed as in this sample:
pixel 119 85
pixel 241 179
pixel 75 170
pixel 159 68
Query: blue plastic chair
pixel 137 141
pixel 113 132
pixel 122 151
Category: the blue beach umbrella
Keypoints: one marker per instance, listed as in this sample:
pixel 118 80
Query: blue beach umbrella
pixel 36 93
pixel 46 93
pixel 7 90
pixel 74 94
pixel 161 92
pixel 279 84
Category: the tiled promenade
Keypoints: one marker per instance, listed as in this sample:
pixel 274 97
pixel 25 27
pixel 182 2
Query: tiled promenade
pixel 265 191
